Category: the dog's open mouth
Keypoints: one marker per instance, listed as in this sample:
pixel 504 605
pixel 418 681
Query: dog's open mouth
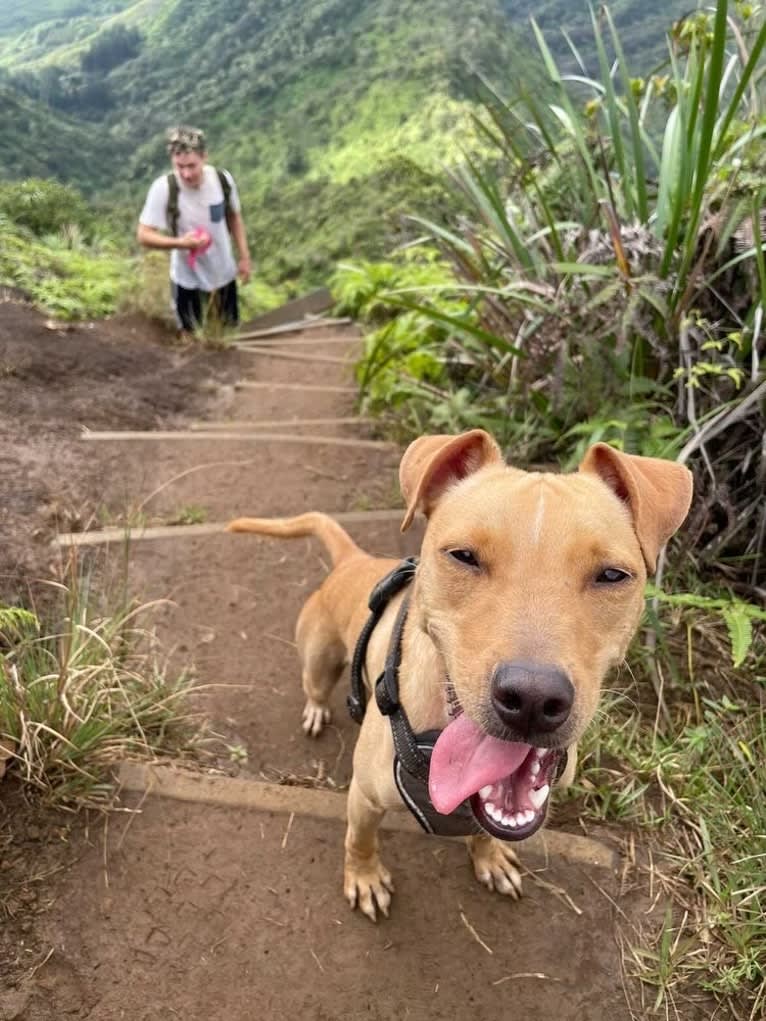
pixel 508 783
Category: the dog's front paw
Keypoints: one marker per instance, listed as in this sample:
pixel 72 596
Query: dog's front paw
pixel 368 887
pixel 496 865
pixel 314 718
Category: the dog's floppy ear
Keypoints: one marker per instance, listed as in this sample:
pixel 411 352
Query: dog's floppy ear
pixel 658 493
pixel 432 463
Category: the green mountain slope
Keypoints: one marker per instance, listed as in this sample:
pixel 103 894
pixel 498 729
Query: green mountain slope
pixel 17 18
pixel 333 114
pixel 642 26
pixel 43 32
pixel 345 106
pixel 38 142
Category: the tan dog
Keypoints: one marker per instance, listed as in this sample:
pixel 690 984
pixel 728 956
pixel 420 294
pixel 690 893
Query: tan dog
pixel 528 589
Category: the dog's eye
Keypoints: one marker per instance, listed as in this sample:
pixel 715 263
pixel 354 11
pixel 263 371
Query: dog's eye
pixel 611 576
pixel 464 556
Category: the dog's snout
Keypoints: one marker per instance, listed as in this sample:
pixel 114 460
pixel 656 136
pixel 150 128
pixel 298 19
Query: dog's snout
pixel 531 698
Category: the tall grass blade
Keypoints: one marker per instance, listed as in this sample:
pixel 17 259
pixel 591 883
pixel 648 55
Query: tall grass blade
pixel 638 175
pixel 703 155
pixel 572 119
pixel 460 326
pixel 614 120
pixel 745 80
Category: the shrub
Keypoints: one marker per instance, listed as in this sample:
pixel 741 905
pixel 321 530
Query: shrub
pixel 43 206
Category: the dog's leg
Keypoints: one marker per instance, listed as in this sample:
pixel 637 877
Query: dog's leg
pixel 495 864
pixel 323 656
pixel 366 881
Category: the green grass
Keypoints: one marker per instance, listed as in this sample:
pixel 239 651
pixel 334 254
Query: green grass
pixel 70 275
pixel 80 695
pixel 63 274
pixel 190 514
pixel 689 771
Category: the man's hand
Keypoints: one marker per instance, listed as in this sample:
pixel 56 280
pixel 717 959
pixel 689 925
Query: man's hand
pixel 193 239
pixel 244 268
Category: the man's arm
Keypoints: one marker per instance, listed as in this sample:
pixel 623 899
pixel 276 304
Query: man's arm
pixel 150 237
pixel 237 229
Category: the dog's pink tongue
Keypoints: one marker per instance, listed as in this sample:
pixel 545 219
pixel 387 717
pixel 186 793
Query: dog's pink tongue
pixel 465 759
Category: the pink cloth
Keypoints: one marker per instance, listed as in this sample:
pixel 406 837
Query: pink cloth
pixel 205 241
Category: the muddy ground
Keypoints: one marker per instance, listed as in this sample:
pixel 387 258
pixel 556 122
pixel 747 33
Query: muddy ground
pixel 55 381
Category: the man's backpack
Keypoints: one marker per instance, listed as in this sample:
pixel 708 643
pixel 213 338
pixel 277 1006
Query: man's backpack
pixel 172 207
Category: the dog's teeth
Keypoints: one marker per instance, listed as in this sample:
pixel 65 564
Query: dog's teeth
pixel 529 815
pixel 509 820
pixel 534 769
pixel 521 818
pixel 538 798
pixel 540 752
pixel 493 812
pixel 485 791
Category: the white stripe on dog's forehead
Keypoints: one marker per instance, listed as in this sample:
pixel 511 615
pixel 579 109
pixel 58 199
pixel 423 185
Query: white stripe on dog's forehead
pixel 537 521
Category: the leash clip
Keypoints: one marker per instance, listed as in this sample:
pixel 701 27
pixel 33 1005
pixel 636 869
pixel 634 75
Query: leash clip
pixel 355 708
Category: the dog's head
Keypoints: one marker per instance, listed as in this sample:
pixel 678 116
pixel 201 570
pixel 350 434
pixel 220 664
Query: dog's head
pixel 530 585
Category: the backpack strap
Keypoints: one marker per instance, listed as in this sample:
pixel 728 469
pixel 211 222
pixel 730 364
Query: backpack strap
pixel 223 177
pixel 171 211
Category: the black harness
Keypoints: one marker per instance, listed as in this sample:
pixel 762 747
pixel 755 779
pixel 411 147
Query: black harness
pixel 412 752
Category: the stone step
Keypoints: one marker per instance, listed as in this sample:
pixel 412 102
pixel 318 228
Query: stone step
pixel 297 425
pixel 251 474
pixel 138 533
pixel 183 784
pixel 280 401
pixel 195 435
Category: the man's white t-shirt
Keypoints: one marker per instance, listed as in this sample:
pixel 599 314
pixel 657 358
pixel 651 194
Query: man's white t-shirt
pixel 203 208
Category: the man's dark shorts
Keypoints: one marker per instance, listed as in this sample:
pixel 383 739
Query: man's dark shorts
pixel 193 308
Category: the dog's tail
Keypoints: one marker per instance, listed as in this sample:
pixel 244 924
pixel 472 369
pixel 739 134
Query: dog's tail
pixel 338 542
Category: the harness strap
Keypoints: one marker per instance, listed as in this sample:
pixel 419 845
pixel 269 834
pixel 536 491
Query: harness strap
pixel 387 697
pixel 412 752
pixel 379 599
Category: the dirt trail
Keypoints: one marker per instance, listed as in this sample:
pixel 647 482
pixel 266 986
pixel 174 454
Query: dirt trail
pixel 199 911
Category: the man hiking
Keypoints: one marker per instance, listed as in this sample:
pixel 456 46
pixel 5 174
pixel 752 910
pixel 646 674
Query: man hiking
pixel 195 212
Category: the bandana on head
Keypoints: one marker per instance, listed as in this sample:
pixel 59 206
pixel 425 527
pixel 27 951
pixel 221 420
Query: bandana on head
pixel 185 139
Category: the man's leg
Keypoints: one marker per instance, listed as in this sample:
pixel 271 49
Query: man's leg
pixel 228 303
pixel 188 309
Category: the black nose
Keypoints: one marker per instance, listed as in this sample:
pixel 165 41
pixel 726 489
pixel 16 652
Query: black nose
pixel 531 698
